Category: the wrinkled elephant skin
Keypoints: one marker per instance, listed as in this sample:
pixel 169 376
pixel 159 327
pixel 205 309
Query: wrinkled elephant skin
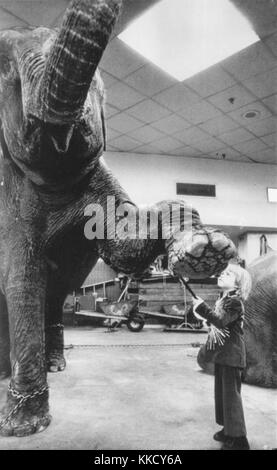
pixel 52 138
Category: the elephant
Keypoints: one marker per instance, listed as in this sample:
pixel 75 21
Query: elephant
pixel 52 171
pixel 260 325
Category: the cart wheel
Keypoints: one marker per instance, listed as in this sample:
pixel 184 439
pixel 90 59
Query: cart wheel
pixel 135 324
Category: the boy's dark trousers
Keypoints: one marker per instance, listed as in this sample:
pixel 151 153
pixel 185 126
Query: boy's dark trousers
pixel 228 403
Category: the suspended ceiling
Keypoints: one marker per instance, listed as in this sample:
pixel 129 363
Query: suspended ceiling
pixel 148 112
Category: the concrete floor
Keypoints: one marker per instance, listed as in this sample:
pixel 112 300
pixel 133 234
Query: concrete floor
pixel 144 390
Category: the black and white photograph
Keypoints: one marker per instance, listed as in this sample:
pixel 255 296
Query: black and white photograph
pixel 138 228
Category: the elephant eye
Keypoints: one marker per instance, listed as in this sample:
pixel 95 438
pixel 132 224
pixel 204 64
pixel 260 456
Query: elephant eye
pixel 5 65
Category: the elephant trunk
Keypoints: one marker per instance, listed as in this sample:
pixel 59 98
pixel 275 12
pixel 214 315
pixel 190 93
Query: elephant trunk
pixel 74 57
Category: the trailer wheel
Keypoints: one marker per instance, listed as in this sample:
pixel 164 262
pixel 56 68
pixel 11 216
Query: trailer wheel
pixel 135 324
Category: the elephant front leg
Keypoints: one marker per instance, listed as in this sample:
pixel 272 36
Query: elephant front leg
pixel 5 365
pixel 54 336
pixel 26 410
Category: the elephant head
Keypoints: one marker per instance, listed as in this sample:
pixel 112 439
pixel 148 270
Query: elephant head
pixel 51 93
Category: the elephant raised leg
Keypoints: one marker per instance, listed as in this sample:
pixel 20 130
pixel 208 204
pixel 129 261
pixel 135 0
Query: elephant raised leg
pixel 26 408
pixel 5 365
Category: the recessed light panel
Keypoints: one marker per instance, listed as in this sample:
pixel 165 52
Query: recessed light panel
pixel 184 37
pixel 272 194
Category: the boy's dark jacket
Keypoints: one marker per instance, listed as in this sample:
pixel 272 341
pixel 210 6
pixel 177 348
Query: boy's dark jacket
pixel 228 313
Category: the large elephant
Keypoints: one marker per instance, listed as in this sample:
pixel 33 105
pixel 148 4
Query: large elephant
pixel 52 138
pixel 260 325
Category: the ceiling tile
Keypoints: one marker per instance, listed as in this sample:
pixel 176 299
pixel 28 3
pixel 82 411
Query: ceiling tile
pixel 177 97
pixel 238 95
pixel 124 143
pixel 36 13
pixel 171 124
pixel 270 140
pixel 58 21
pixel 219 125
pixel 107 78
pixel 235 136
pixel 210 144
pixel 9 21
pixel 147 149
pixel 271 103
pixel 110 110
pixel 228 153
pixel 187 151
pixel 263 85
pixel 167 144
pixel 238 114
pixel 112 134
pixel 250 147
pixel 210 81
pixel 119 60
pixel 271 42
pixel 146 134
pixel 191 136
pixel 266 156
pixel 110 148
pixel 122 96
pixel 148 111
pixel 200 112
pixel 123 123
pixel 250 61
pixel 149 80
pixel 263 127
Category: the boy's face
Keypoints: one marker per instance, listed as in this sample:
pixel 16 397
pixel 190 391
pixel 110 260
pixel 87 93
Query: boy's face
pixel 227 280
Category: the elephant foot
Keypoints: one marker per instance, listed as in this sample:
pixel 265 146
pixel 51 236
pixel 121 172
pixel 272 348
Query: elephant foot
pixel 24 415
pixel 55 362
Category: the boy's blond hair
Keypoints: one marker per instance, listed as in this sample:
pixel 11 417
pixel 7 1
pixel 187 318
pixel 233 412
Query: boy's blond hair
pixel 243 279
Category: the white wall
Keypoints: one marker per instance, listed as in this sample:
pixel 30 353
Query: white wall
pixel 249 245
pixel 241 188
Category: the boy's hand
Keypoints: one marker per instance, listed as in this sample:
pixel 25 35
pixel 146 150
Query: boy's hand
pixel 198 316
pixel 196 302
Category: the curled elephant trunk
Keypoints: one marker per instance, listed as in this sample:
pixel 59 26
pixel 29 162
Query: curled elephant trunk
pixel 74 57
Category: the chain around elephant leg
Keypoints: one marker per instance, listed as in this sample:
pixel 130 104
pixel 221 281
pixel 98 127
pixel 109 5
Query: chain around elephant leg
pixel 18 407
pixel 26 410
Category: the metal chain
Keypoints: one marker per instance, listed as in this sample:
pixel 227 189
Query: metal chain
pixel 107 346
pixel 12 412
pixel 22 399
pixel 18 395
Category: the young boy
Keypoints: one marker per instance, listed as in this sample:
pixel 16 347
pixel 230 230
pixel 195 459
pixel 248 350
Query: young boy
pixel 226 345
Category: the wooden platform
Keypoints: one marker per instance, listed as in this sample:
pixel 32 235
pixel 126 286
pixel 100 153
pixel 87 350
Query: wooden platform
pixel 154 293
